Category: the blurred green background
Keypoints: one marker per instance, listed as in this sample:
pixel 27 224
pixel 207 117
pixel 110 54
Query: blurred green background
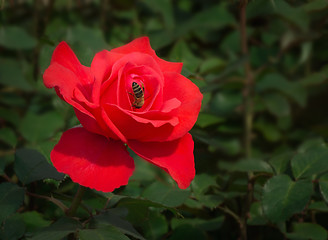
pixel 276 190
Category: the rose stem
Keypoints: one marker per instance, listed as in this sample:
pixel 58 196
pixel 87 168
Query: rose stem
pixel 76 201
pixel 248 84
pixel 248 113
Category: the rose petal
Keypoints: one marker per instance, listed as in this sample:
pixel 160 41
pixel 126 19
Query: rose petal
pixel 175 157
pixel 64 56
pixel 136 59
pixel 89 122
pixel 92 160
pixel 182 102
pixel 142 45
pixel 147 126
pixel 146 77
pixel 177 86
pixel 102 64
pixel 100 123
pixel 113 127
pixel 71 80
pixel 114 89
pixel 67 73
pixel 101 67
pixel 169 105
pixel 66 84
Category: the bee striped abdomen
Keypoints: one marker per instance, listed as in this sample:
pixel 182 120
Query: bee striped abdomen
pixel 137 90
pixel 138 94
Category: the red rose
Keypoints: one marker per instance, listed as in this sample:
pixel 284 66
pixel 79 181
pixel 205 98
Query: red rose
pixel 128 96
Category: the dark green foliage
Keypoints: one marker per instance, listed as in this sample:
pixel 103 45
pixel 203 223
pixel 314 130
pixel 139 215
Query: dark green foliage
pixel 167 196
pixel 13 37
pixel 308 231
pixel 279 191
pixel 107 232
pixel 11 198
pixel 282 197
pixel 58 230
pixel 13 227
pixel 113 217
pixel 31 166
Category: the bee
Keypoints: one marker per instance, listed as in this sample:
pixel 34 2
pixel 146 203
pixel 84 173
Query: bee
pixel 138 95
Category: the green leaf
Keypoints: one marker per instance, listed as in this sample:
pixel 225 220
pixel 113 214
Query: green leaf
pixel 215 17
pixel 210 200
pixel 133 188
pixel 39 127
pixel 9 115
pixel 45 56
pixel 256 215
pixel 8 136
pixel 246 165
pixel 31 166
pixel 139 208
pixel 206 119
pixel 204 224
pixel 229 128
pixel 280 162
pixel 91 37
pixel 270 131
pixel 323 183
pixel 164 8
pixel 269 38
pixel 319 206
pixel 45 147
pixel 304 231
pixel 306 51
pixel 311 144
pixel 182 53
pixel 156 225
pixel 285 123
pixel 12 99
pixel 259 55
pixel 113 217
pixel 212 65
pixel 275 81
pixel 11 198
pixel 200 185
pixel 230 146
pixel 2 166
pixel 254 165
pixel 34 221
pixel 315 5
pixel 110 233
pixel 160 39
pixel 16 38
pixel 193 203
pixel 4 161
pixel 312 162
pixel 277 104
pixel 316 78
pixel 202 182
pixel 166 195
pixel 294 15
pixel 58 230
pixel 187 231
pixel 225 103
pixel 253 9
pixel 239 192
pixel 231 43
pixel 13 228
pixel 86 42
pixel 283 197
pixel 11 74
pixel 144 171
